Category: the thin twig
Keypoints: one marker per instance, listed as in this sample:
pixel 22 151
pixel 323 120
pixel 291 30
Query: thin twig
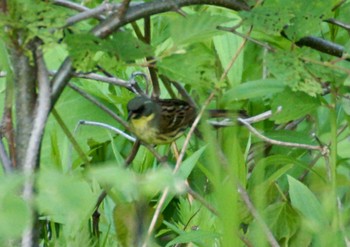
pixel 324 150
pixel 109 127
pixel 245 197
pixel 341 24
pixel 100 105
pixel 132 155
pixel 70 136
pixel 97 77
pixel 199 198
pixel 233 30
pixel 71 5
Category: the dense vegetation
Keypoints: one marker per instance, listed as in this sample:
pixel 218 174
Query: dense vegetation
pixel 279 180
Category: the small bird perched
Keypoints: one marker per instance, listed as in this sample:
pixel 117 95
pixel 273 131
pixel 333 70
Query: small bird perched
pixel 159 121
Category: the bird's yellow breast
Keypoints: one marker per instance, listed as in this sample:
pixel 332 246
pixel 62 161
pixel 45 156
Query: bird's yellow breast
pixel 142 128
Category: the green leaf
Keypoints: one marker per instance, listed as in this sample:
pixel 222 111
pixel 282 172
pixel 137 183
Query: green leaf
pixel 197 236
pixel 226 46
pixel 294 105
pixel 291 136
pixel 289 68
pixel 282 220
pixel 185 170
pixel 127 46
pixel 308 17
pixel 196 67
pixel 195 27
pixel 15 214
pixel 253 89
pixel 65 198
pixel 307 204
pixel 188 165
pixel 268 19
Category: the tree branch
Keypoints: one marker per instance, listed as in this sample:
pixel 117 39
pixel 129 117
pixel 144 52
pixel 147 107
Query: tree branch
pixel 113 22
pixel 32 156
pixel 321 45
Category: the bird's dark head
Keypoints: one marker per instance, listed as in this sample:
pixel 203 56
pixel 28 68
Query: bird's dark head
pixel 140 107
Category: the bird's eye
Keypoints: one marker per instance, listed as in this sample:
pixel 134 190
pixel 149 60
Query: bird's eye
pixel 138 112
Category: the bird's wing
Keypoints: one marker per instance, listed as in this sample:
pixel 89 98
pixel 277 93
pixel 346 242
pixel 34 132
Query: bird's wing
pixel 175 115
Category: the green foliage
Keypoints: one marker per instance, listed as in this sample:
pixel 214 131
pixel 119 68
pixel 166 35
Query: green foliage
pixel 294 105
pixel 301 196
pixel 15 214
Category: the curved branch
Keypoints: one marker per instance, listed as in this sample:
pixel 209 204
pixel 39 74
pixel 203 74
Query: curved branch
pixel 134 13
pixel 321 45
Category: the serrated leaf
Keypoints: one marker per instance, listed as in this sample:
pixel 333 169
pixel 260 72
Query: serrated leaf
pixel 127 46
pixel 306 202
pixel 294 105
pixel 196 67
pixel 308 17
pixel 253 89
pixel 194 237
pixel 290 69
pixel 269 19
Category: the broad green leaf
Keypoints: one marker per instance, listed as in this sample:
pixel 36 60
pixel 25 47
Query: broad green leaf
pixel 282 220
pixel 291 136
pixel 196 67
pixel 294 105
pixel 307 17
pixel 253 89
pixel 226 46
pixel 195 27
pixel 268 19
pixel 185 170
pixel 306 203
pixel 188 165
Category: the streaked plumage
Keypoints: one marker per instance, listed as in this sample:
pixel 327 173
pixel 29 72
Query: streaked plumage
pixel 159 121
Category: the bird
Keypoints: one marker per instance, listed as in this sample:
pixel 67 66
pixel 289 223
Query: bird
pixel 159 121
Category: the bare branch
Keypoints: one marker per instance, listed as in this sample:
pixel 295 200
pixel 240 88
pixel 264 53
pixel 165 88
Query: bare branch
pixel 233 30
pixel 341 24
pixel 71 5
pixel 134 13
pixel 107 126
pixel 42 109
pixel 245 197
pixel 324 150
pixel 59 81
pixel 100 105
pixel 321 45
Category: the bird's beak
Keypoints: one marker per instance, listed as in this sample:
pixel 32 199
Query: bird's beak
pixel 130 114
